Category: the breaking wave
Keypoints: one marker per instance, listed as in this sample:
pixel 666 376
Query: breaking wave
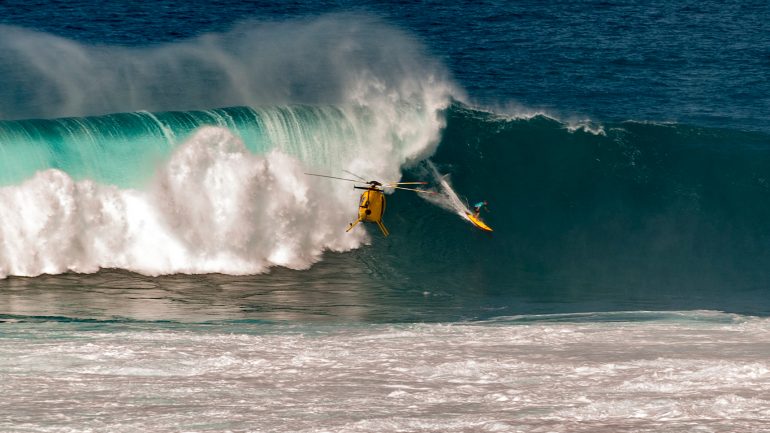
pixel 96 174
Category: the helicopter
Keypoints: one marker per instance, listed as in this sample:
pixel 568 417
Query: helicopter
pixel 371 206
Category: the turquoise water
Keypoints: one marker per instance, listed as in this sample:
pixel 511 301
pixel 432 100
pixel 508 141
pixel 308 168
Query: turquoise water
pixel 125 149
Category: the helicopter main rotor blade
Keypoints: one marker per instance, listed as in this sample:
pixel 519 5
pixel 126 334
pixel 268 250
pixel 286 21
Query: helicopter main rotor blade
pixel 387 185
pixel 414 189
pixel 355 175
pixel 333 177
pixel 406 183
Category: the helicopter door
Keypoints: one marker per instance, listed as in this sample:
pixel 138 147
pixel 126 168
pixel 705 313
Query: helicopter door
pixel 364 204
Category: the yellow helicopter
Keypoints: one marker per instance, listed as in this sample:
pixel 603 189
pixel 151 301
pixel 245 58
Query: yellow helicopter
pixel 371 206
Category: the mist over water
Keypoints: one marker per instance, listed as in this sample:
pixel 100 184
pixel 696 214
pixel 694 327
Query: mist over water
pixel 331 60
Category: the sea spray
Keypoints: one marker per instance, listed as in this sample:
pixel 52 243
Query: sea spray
pixel 364 97
pixel 336 59
pixel 446 198
pixel 188 156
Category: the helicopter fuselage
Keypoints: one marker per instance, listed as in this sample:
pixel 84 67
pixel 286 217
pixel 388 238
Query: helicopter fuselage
pixel 371 207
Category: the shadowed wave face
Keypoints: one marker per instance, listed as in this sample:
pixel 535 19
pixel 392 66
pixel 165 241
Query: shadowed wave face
pixel 631 214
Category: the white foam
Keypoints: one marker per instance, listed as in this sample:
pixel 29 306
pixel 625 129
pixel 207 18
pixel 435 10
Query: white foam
pixel 661 375
pixel 213 207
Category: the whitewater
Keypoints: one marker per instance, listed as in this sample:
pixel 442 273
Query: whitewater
pixel 220 190
pixel 640 372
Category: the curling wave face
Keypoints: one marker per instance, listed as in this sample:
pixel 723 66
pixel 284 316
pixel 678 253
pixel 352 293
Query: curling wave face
pixel 211 190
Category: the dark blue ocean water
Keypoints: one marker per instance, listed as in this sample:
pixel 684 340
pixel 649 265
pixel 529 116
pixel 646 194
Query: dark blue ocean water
pixel 643 183
pixel 699 62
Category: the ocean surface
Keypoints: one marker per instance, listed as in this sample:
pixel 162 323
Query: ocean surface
pixel 167 264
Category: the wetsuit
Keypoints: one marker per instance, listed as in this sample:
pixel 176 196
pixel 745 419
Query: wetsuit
pixel 477 207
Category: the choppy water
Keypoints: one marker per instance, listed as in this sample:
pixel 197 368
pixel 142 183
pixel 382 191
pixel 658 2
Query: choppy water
pixel 677 372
